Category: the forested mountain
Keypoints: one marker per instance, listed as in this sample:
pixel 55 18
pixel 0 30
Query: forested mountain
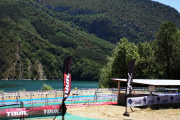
pixel 36 35
pixel 137 20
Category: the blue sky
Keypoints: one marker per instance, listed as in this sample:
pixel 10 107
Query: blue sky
pixel 173 3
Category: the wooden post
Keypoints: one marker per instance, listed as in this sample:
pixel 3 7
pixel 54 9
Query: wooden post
pixel 151 89
pixel 150 93
pixel 119 87
pixel 119 90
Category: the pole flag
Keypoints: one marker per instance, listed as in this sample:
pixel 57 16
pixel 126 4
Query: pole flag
pixel 129 82
pixel 67 77
pixel 130 77
pixel 66 84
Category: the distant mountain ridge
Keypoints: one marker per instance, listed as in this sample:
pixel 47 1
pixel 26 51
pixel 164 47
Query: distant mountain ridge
pixel 36 35
pixel 138 20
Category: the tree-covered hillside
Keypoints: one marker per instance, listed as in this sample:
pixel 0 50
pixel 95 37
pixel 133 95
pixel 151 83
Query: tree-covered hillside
pixel 33 44
pixel 36 35
pixel 137 20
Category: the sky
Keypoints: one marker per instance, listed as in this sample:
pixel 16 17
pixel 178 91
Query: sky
pixel 173 3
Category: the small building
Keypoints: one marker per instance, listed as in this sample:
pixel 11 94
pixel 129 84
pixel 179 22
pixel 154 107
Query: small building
pixel 146 83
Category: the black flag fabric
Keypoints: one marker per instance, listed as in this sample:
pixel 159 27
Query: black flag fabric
pixel 67 76
pixel 130 77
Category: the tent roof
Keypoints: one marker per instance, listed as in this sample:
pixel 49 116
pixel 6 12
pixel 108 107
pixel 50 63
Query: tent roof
pixel 151 82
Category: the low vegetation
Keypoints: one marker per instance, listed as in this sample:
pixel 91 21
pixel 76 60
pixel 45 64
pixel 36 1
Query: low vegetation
pixel 46 87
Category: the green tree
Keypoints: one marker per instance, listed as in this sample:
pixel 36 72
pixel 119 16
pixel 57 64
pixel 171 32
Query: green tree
pixel 117 66
pixel 176 64
pixel 146 67
pixel 124 52
pixel 104 80
pixel 167 42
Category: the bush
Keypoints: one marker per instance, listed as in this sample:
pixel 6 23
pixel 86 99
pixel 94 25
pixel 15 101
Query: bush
pixel 22 90
pixel 1 91
pixel 46 87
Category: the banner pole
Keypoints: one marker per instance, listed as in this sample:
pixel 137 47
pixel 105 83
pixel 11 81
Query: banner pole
pixel 126 101
pixel 63 109
pixel 125 113
pixel 126 105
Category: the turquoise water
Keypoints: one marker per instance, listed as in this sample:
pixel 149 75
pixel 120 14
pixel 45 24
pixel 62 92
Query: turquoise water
pixel 32 85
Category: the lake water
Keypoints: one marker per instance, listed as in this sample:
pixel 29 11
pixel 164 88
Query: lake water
pixel 32 85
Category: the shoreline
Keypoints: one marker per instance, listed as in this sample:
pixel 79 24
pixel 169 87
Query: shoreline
pixel 27 79
pixel 43 79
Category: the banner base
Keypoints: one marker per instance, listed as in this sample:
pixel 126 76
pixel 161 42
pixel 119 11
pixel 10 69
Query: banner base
pixel 126 114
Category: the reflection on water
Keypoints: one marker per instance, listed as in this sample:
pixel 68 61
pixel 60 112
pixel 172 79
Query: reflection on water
pixel 31 85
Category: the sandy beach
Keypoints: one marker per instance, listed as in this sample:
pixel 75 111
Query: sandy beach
pixel 107 112
pixel 114 112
